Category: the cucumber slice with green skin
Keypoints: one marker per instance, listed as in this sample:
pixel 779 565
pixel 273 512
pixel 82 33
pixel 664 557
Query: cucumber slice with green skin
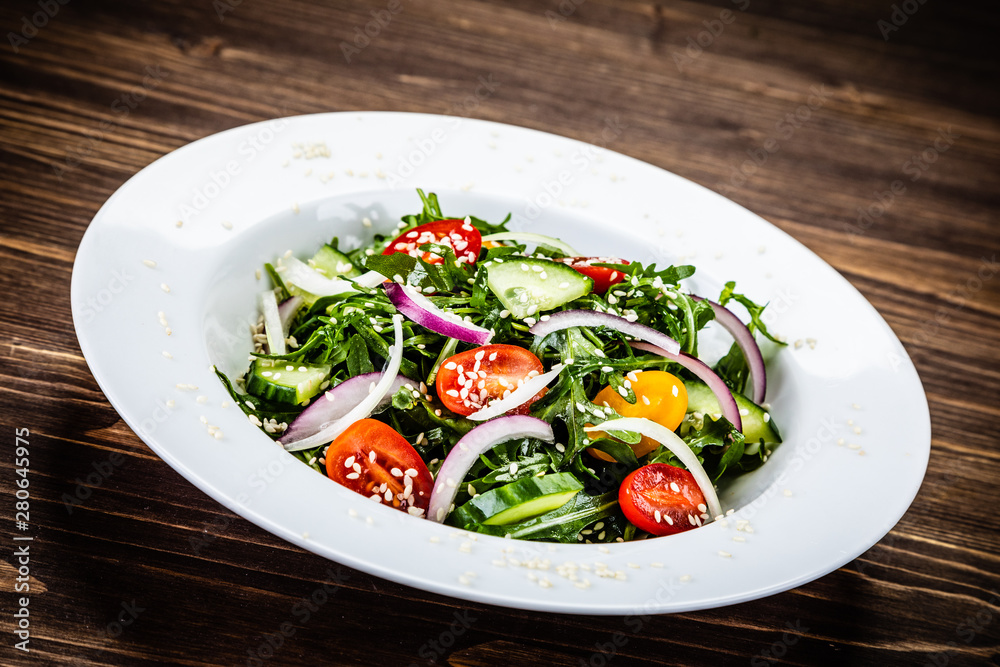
pixel 757 423
pixel 272 380
pixel 527 286
pixel 333 263
pixel 517 501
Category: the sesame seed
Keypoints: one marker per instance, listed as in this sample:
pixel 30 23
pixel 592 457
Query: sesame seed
pixel 150 263
pixel 165 287
pixel 167 355
pixel 725 554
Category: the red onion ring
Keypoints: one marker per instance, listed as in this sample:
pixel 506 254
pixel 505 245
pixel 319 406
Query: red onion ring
pixel 337 402
pixel 478 441
pixel 589 318
pixel 745 340
pixel 727 402
pixel 419 309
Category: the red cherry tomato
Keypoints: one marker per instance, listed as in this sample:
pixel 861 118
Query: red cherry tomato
pixel 662 499
pixel 461 236
pixel 370 458
pixel 467 381
pixel 602 276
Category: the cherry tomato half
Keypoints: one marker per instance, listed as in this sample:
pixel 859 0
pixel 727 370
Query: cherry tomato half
pixel 660 397
pixel 460 235
pixel 662 499
pixel 602 276
pixel 467 381
pixel 370 458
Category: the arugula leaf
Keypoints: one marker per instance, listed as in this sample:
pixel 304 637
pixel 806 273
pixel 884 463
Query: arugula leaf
pixel 563 524
pixel 358 358
pixel 755 310
pixel 672 275
pixel 397 264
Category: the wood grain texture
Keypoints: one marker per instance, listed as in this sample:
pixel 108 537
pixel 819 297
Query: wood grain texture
pixel 206 587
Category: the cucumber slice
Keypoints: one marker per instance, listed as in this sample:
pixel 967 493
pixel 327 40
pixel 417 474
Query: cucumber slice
pixel 517 501
pixel 333 263
pixel 757 423
pixel 527 286
pixel 272 380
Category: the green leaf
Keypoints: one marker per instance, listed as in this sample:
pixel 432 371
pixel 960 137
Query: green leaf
pixel 358 358
pixel 619 451
pixel 755 310
pixel 563 524
pixel 395 266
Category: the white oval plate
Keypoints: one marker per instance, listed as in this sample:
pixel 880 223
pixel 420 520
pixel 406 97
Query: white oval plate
pixel 848 401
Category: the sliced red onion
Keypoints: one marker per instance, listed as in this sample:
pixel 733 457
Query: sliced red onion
pixel 478 441
pixel 590 318
pixel 367 404
pixel 527 391
pixel 419 308
pixel 727 403
pixel 746 342
pixel 337 402
pixel 537 239
pixel 272 323
pixel 671 441
pixel 287 310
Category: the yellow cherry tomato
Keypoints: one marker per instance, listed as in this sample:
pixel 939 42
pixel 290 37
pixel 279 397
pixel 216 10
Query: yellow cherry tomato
pixel 660 397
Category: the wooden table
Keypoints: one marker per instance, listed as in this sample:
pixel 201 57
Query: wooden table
pixel 827 107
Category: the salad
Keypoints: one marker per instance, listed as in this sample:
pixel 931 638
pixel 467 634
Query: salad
pixel 499 382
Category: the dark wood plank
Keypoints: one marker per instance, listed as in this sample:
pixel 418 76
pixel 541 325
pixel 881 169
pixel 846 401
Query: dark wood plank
pixel 212 587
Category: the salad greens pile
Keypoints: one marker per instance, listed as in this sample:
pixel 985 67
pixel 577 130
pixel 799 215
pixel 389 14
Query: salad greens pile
pixel 333 338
